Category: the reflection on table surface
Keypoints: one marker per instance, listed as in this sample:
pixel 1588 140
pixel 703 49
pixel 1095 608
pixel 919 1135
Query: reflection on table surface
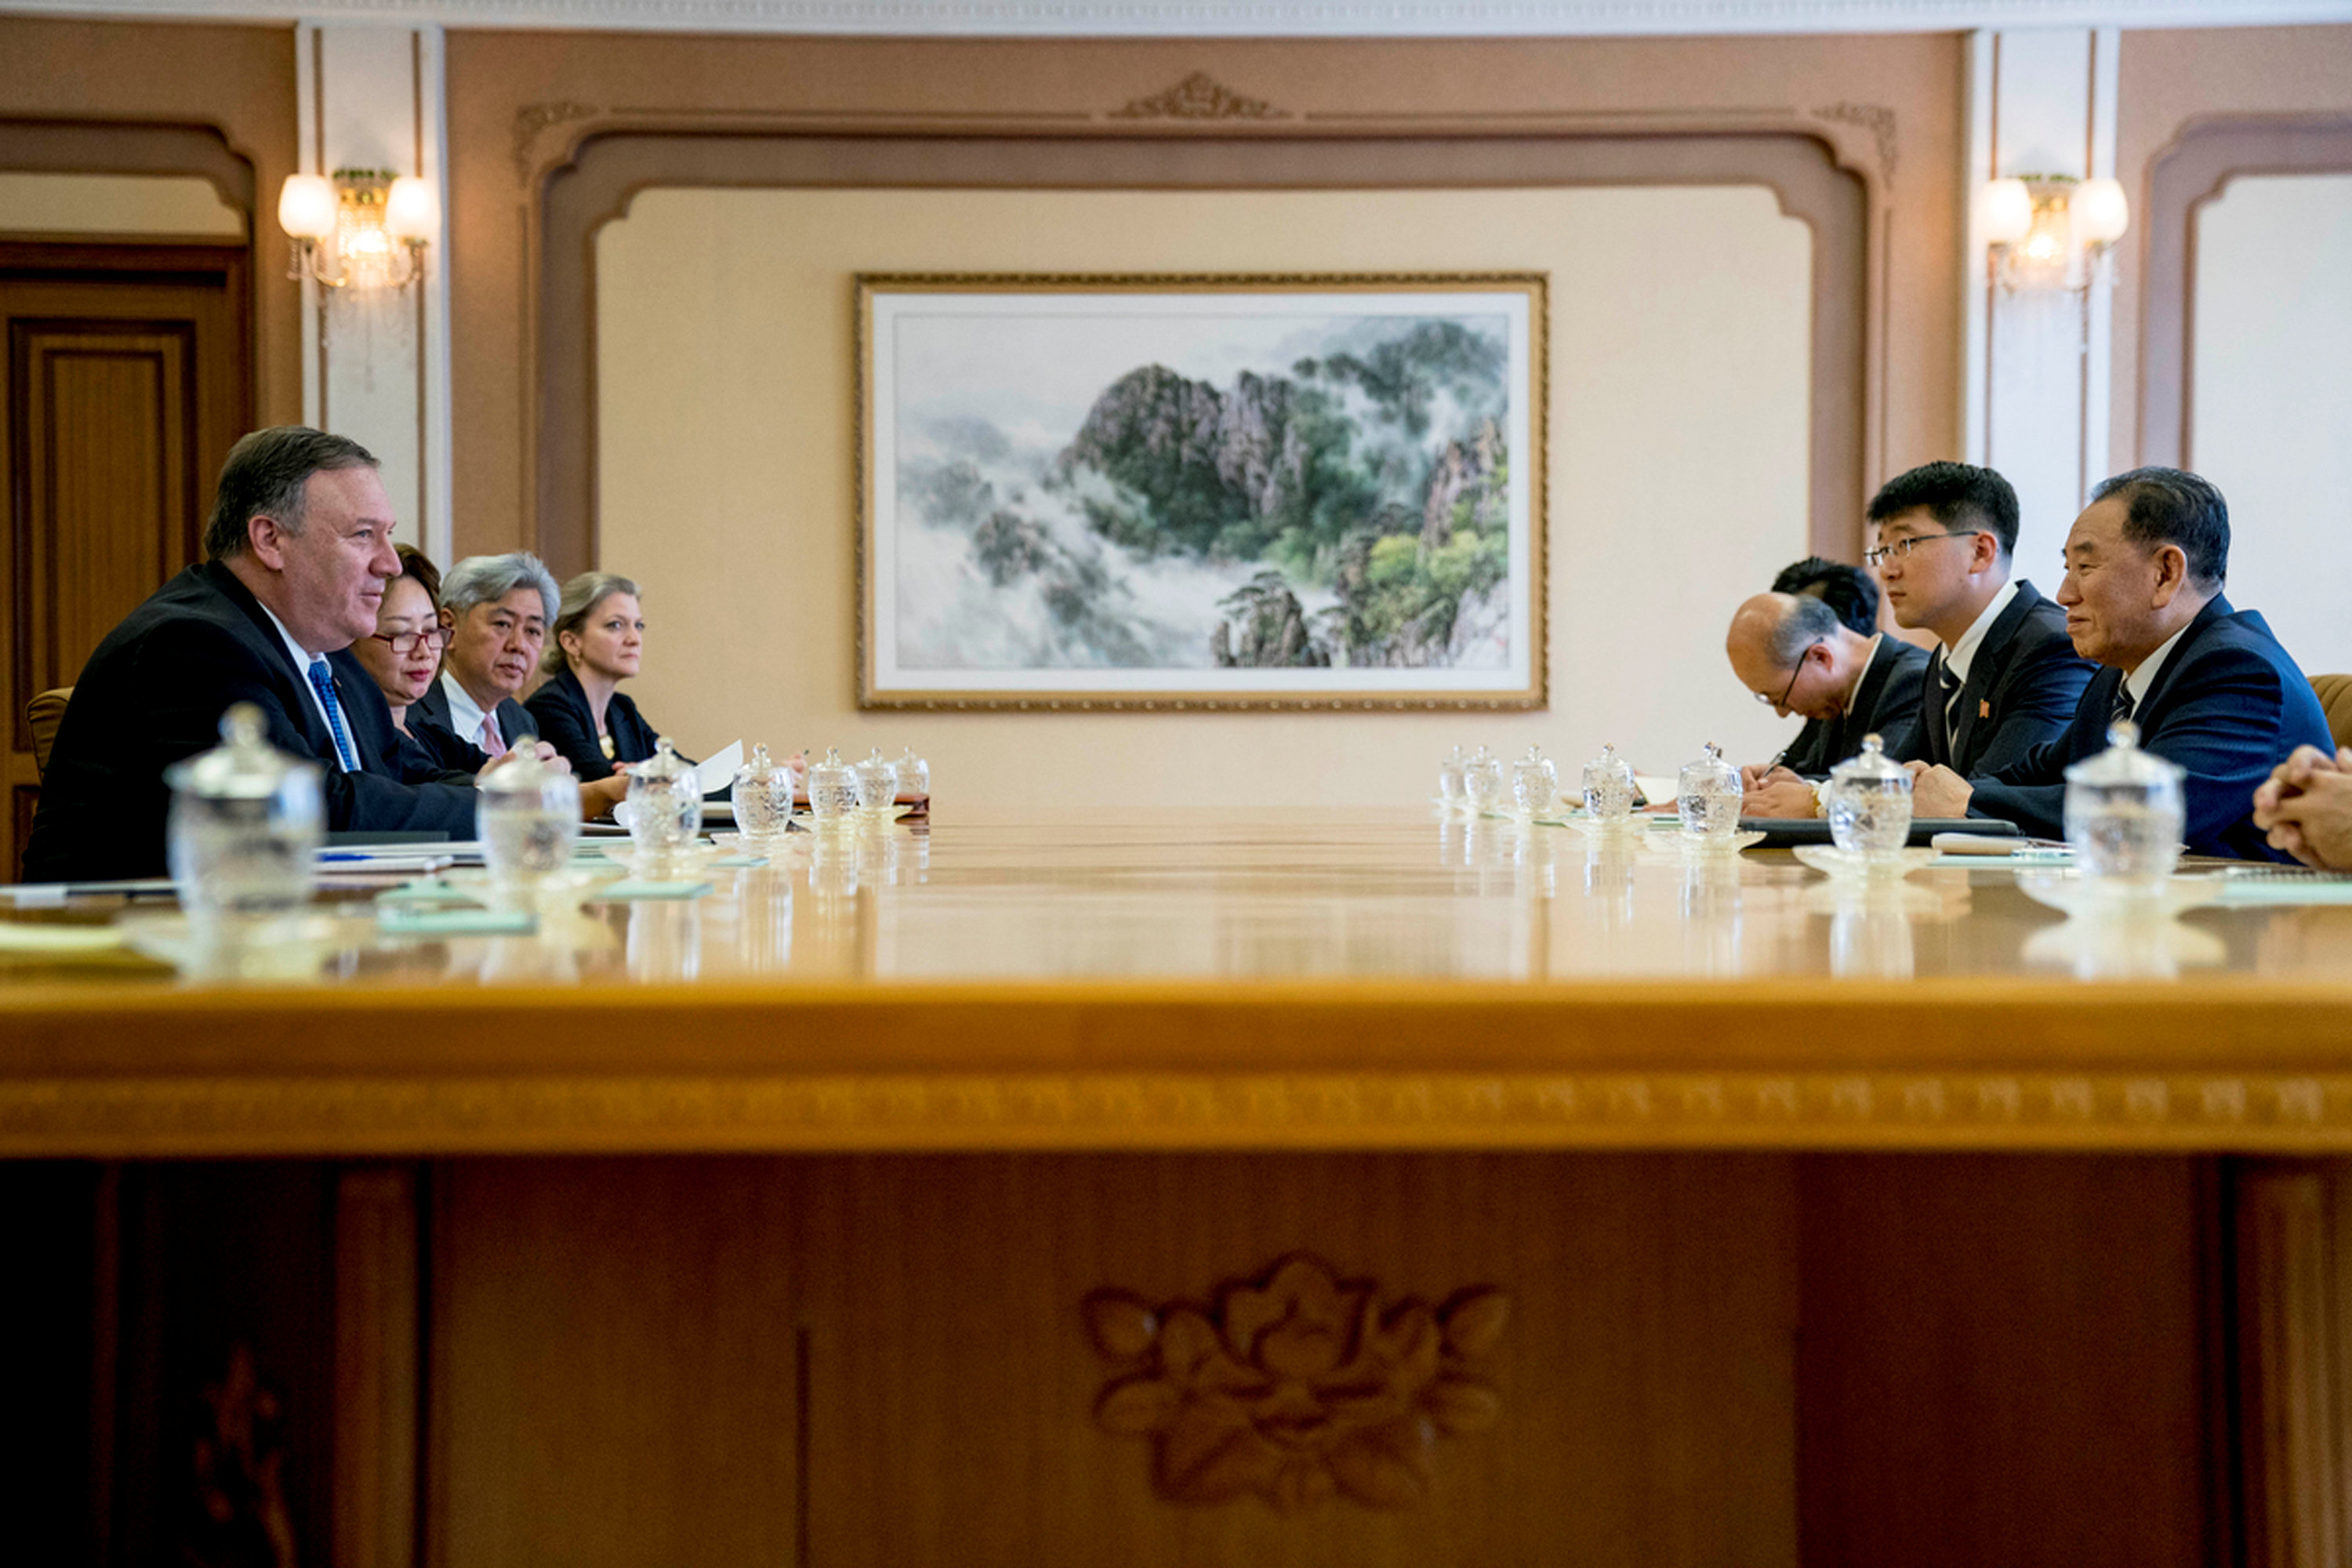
pixel 1263 894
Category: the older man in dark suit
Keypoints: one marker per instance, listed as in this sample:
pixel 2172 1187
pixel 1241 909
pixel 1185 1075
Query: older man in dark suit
pixel 2208 686
pixel 1794 653
pixel 299 549
pixel 2005 676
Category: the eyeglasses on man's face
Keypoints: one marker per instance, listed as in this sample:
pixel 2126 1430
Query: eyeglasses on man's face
pixel 1782 700
pixel 1905 546
pixel 405 643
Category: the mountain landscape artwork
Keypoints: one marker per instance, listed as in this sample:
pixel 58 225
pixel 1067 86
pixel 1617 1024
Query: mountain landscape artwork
pixel 1272 491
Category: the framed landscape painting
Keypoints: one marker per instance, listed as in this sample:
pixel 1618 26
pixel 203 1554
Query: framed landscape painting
pixel 1203 491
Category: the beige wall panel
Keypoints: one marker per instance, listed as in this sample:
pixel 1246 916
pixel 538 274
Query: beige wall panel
pixel 2170 80
pixel 114 205
pixel 1676 462
pixel 519 102
pixel 2271 398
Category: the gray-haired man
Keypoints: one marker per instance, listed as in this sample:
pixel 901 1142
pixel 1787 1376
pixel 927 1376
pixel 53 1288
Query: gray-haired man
pixel 498 609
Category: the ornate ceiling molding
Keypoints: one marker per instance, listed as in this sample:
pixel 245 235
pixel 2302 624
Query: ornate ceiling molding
pixel 1199 96
pixel 1240 18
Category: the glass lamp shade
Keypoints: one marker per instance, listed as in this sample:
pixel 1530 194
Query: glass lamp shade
pixel 411 210
pixel 308 206
pixel 2102 212
pixel 2004 211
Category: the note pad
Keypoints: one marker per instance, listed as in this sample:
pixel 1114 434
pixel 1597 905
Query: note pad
pixel 629 889
pixel 401 919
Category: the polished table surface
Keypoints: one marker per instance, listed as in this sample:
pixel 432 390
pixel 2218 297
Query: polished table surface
pixel 1211 979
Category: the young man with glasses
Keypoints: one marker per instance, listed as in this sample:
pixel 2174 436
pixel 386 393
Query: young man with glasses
pixel 1795 655
pixel 2005 676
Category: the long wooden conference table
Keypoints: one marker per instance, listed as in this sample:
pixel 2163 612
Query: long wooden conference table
pixel 1201 1187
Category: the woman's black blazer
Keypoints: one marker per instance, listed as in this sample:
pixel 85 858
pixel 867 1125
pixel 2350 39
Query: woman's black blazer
pixel 561 707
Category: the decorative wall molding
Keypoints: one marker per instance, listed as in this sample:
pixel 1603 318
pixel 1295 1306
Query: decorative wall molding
pixel 1199 96
pixel 2105 1111
pixel 1240 18
pixel 1876 118
pixel 1797 160
pixel 1297 1386
pixel 533 118
pixel 2195 168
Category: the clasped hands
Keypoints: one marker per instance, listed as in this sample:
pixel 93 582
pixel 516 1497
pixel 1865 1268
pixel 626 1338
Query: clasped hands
pixel 2306 807
pixel 1936 791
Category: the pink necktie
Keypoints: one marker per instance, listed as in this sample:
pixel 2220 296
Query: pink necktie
pixel 492 741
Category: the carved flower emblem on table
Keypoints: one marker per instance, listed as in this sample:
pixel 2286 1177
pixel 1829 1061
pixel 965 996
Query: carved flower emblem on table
pixel 1297 1386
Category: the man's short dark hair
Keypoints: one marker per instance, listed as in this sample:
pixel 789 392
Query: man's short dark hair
pixel 1847 590
pixel 1961 497
pixel 264 478
pixel 2170 506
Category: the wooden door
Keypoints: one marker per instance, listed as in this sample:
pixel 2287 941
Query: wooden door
pixel 128 378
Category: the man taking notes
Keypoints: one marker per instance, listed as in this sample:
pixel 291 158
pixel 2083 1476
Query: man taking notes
pixel 2006 678
pixel 299 549
pixel 2208 687
pixel 1794 654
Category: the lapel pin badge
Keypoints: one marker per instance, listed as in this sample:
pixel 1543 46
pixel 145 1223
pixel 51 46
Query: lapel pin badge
pixel 1984 708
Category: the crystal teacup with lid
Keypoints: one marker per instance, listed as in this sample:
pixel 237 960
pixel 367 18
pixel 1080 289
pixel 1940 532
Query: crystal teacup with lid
pixel 913 774
pixel 529 814
pixel 2124 813
pixel 1534 783
pixel 1485 785
pixel 762 795
pixel 664 804
pixel 1868 799
pixel 1452 791
pixel 1707 796
pixel 245 823
pixel 1609 788
pixel 877 783
pixel 831 789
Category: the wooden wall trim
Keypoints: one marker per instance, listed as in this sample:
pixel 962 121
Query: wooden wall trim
pixel 2195 168
pixel 605 170
pixel 84 147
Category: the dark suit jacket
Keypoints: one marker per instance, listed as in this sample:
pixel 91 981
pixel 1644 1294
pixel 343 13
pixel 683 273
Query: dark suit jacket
pixel 2022 689
pixel 565 722
pixel 154 694
pixel 429 721
pixel 1886 705
pixel 429 747
pixel 2228 706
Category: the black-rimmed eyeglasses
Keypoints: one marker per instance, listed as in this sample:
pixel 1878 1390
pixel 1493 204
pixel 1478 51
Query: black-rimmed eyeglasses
pixel 1782 700
pixel 405 643
pixel 1903 547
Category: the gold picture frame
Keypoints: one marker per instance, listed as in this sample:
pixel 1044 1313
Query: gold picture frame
pixel 1124 493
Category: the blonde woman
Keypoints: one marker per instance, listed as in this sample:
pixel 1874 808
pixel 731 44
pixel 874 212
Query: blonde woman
pixel 599 635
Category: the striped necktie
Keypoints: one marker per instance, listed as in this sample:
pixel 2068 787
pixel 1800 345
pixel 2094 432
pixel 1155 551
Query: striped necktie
pixel 322 681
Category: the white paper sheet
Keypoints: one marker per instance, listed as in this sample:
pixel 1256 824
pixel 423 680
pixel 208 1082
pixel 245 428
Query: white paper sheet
pixel 714 774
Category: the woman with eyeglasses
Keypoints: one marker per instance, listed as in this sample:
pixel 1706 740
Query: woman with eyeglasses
pixel 404 655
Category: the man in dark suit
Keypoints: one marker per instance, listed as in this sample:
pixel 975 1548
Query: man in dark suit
pixel 299 548
pixel 1794 652
pixel 2207 684
pixel 498 609
pixel 1853 594
pixel 2006 677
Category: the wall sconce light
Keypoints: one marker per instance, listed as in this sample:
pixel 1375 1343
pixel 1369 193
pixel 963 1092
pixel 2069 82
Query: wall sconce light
pixel 2051 231
pixel 362 229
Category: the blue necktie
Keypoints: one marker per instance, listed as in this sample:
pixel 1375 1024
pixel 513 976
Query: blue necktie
pixel 322 680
